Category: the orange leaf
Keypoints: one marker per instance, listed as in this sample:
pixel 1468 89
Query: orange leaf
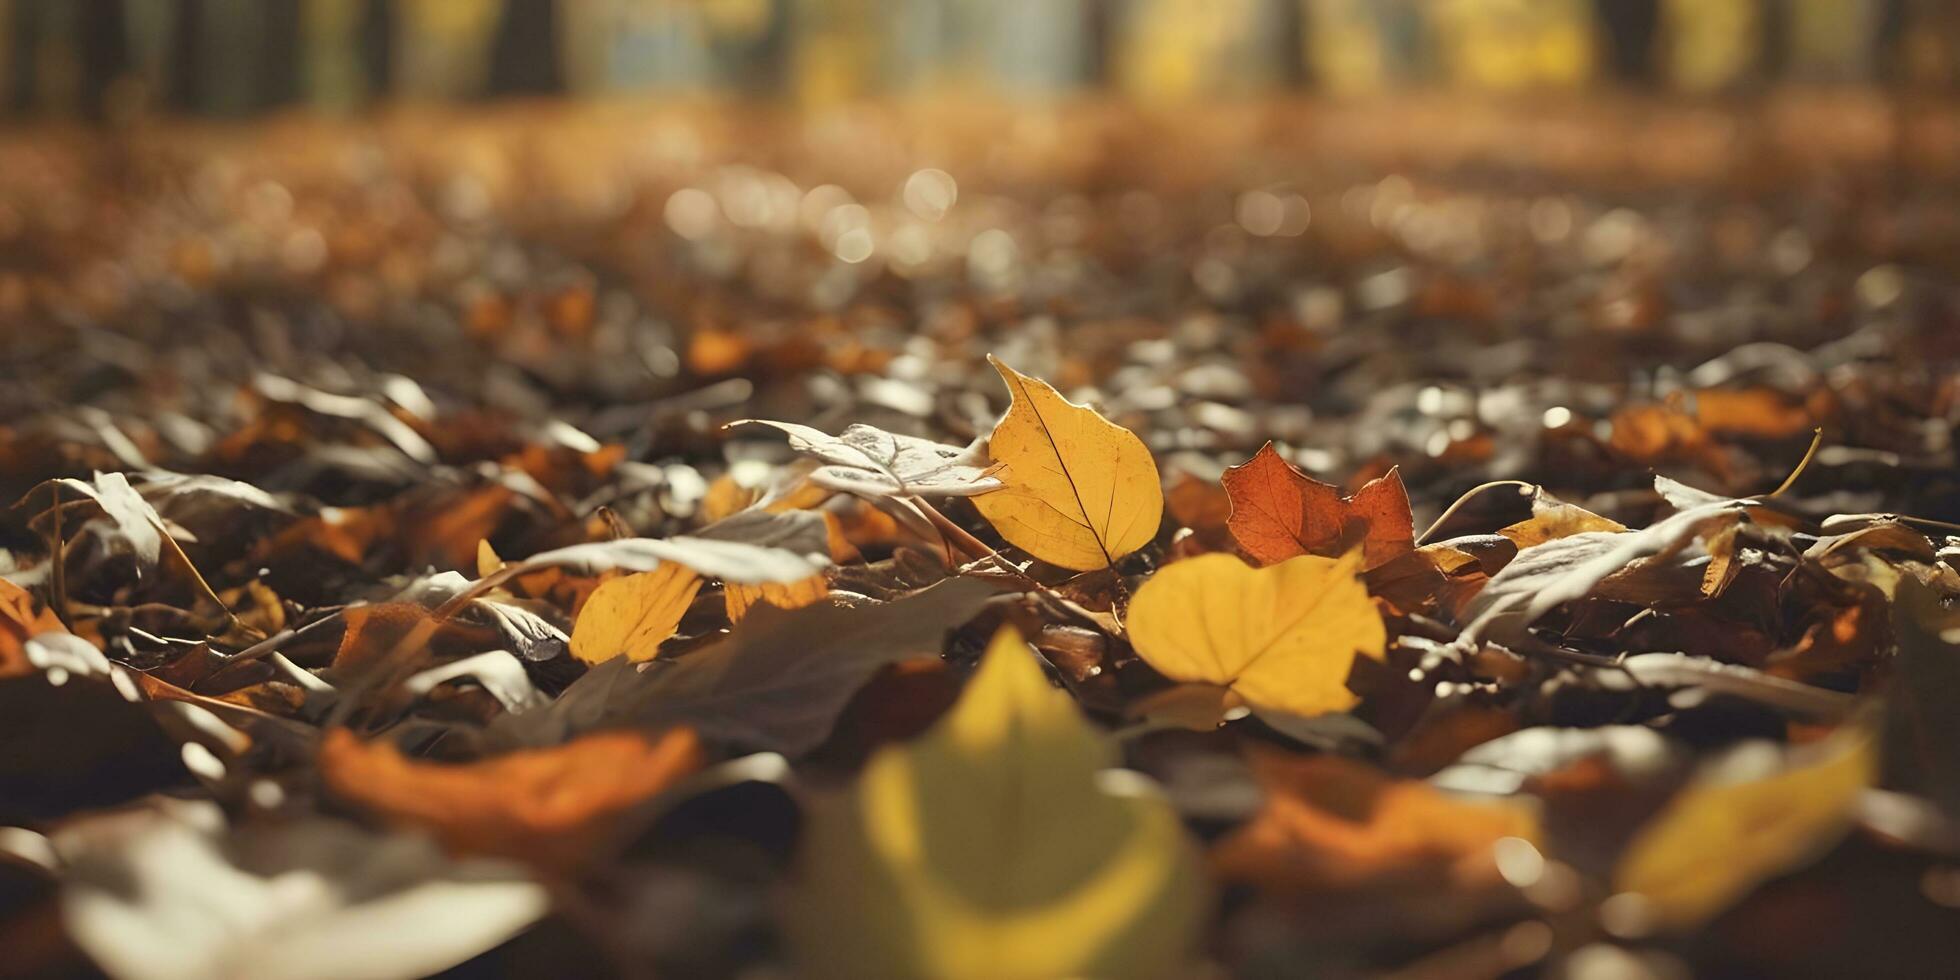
pixel 1279 512
pixel 20 622
pixel 1331 823
pixel 547 807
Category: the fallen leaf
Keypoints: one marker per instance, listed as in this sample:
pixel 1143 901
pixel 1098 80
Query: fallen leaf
pixel 775 683
pixel 1761 413
pixel 1922 729
pixel 1332 823
pixel 21 621
pixel 1078 490
pixel 133 525
pixel 739 598
pixel 1282 637
pixel 1279 512
pixel 714 557
pixel 552 808
pixel 1552 518
pixel 870 462
pixel 1546 575
pixel 1719 837
pixel 163 892
pixel 631 615
pixel 997 846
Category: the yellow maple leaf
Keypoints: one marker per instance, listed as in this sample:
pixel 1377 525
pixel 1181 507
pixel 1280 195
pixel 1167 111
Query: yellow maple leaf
pixel 633 614
pixel 1079 490
pixel 997 847
pixel 1281 637
pixel 1716 840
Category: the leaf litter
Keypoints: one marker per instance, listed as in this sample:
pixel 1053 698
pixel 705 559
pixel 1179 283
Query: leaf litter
pixel 1350 607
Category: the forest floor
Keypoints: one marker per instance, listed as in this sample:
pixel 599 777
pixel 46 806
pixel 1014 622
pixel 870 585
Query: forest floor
pixel 1489 540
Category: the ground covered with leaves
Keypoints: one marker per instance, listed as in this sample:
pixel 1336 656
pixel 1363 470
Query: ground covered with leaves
pixel 1054 545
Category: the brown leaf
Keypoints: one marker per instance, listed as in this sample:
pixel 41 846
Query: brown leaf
pixel 1279 512
pixel 551 808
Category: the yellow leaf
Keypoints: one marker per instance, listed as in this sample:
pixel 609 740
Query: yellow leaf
pixel 487 562
pixel 1282 637
pixel 633 614
pixel 782 595
pixel 997 847
pixel 1552 518
pixel 1716 841
pixel 1079 490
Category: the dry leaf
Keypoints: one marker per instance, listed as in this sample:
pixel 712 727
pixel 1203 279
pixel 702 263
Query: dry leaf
pixel 20 622
pixel 1718 838
pixel 551 808
pixel 751 547
pixel 871 462
pixel 1078 490
pixel 633 614
pixel 1552 518
pixel 1331 822
pixel 996 847
pixel 168 892
pixel 1279 512
pixel 775 683
pixel 739 598
pixel 1282 637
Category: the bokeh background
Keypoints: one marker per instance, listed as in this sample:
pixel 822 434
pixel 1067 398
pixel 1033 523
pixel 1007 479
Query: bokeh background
pixel 111 58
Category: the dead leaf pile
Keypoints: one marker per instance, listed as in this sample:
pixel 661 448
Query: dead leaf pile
pixel 511 569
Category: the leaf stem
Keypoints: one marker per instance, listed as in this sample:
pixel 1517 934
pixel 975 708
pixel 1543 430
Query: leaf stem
pixel 1816 440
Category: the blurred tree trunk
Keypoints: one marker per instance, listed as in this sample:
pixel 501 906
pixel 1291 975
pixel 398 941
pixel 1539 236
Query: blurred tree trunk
pixel 105 60
pixel 376 40
pixel 19 63
pixel 1629 28
pixel 1776 40
pixel 183 79
pixel 524 51
pixel 281 53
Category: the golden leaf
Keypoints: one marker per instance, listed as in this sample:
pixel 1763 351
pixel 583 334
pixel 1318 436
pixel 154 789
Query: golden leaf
pixel 782 595
pixel 997 847
pixel 633 614
pixel 1552 518
pixel 1717 840
pixel 1282 637
pixel 1080 491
